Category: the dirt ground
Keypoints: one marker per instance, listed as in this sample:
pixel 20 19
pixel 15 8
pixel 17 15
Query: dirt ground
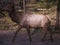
pixel 22 38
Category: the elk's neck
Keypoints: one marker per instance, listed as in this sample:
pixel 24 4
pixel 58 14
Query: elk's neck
pixel 15 17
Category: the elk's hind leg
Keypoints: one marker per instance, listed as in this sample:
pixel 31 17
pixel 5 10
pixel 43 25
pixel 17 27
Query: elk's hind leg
pixel 51 37
pixel 44 29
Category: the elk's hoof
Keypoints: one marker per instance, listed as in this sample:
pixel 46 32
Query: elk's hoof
pixel 51 40
pixel 42 40
pixel 12 41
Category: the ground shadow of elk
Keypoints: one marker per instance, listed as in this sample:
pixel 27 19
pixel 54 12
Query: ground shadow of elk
pixel 29 21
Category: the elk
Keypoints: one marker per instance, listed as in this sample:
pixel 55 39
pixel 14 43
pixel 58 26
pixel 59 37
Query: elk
pixel 30 21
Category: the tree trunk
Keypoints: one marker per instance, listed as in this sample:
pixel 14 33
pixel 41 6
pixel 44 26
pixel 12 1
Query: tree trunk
pixel 21 4
pixel 58 13
pixel 24 6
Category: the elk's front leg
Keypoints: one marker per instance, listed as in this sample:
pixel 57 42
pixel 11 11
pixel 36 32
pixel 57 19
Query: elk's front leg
pixel 28 31
pixel 19 27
